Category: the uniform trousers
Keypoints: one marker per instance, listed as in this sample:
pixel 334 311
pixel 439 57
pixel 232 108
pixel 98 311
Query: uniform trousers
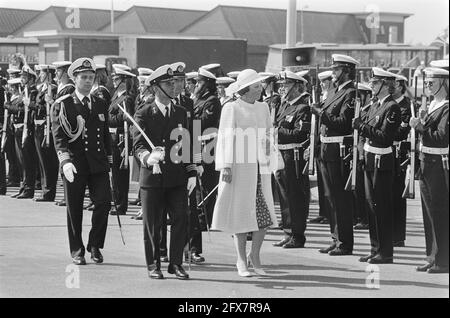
pixel 48 162
pixel 380 203
pixel 100 194
pixel 26 155
pixel 435 204
pixel 340 202
pixel 154 202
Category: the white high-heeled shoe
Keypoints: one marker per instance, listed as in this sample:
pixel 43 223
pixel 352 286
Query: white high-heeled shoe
pixel 243 270
pixel 258 270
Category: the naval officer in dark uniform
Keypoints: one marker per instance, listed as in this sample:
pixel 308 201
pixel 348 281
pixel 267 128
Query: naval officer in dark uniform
pixel 379 127
pixel 166 179
pixel 335 123
pixel 432 126
pixel 292 124
pixel 83 144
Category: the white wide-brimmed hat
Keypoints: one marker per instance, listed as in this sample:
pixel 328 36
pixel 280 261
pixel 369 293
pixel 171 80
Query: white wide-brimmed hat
pixel 245 79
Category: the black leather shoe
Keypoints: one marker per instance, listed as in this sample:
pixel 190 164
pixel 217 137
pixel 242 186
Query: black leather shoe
pixel 424 268
pixel 16 195
pixel 134 202
pixel 361 226
pixel 339 252
pixel 366 258
pixel 96 256
pixel 61 203
pixel 399 244
pixel 316 220
pixel 155 272
pixel 328 249
pixel 294 243
pixel 282 242
pixel 25 196
pixel 437 269
pixel 42 199
pixel 79 260
pixel 197 258
pixel 164 259
pixel 178 271
pixel 381 260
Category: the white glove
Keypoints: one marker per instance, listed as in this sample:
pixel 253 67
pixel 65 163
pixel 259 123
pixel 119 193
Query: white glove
pixel 26 101
pixel 306 154
pixel 69 170
pixel 200 170
pixel 48 99
pixel 192 182
pixel 156 156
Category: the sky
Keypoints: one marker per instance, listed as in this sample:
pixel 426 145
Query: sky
pixel 430 17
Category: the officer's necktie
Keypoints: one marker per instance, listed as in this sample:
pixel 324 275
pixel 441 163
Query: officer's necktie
pixel 177 101
pixel 167 112
pixel 86 103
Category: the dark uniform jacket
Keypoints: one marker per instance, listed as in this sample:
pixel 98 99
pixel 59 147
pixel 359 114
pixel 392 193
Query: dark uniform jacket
pixel 102 92
pixel 116 116
pixel 40 109
pixel 435 132
pixel 68 88
pixel 405 113
pixel 207 109
pixel 158 129
pixel 91 151
pixel 17 108
pixel 380 126
pixel 294 121
pixel 336 120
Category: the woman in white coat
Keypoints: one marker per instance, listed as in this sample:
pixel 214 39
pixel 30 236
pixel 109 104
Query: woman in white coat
pixel 243 156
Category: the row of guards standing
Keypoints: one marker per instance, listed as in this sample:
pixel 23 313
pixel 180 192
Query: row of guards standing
pixel 357 136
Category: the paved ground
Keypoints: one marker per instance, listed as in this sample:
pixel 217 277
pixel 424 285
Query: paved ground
pixel 35 262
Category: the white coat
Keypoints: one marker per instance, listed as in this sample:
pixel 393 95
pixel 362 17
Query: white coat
pixel 235 209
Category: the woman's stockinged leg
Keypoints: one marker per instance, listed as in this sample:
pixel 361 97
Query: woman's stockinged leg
pixel 257 241
pixel 240 242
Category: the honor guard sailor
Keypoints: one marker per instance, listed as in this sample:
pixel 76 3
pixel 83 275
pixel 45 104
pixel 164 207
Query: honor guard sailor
pixel 433 129
pixel 379 127
pixel 48 160
pixel 165 179
pixel 24 132
pixel 292 126
pixel 119 128
pixel 83 144
pixel 335 124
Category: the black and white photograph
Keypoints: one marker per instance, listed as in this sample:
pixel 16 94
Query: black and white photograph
pixel 224 155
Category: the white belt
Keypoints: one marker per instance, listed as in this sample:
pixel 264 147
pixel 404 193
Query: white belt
pixel 207 137
pixel 113 130
pixel 433 151
pixel 331 140
pixel 39 121
pixel 376 150
pixel 18 126
pixel 289 146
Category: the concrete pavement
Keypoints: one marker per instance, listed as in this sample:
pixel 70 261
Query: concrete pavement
pixel 35 262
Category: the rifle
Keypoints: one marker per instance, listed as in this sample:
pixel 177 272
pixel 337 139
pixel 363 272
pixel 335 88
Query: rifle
pixel 312 135
pixel 409 192
pixel 355 138
pixel 5 123
pixel 25 119
pixel 125 136
pixel 47 109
